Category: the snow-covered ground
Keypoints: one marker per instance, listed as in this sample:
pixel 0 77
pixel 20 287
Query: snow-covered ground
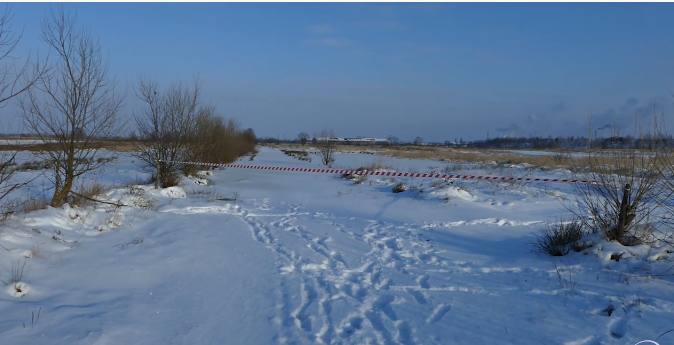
pixel 301 258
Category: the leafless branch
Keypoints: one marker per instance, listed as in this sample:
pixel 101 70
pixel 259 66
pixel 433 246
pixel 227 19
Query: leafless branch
pixel 326 146
pixel 74 104
pixel 164 125
pixel 16 75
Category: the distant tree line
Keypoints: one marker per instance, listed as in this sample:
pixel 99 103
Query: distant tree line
pixel 647 141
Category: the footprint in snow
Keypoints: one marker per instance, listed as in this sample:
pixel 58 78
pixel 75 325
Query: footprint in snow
pixel 439 312
pixel 423 281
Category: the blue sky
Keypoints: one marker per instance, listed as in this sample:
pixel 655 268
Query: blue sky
pixel 439 71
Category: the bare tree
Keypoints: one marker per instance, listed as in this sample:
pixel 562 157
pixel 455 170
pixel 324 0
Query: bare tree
pixel 418 141
pixel 6 184
pixel 664 145
pixel 303 136
pixel 73 104
pixel 393 140
pixel 326 146
pixel 15 79
pixel 623 193
pixel 165 126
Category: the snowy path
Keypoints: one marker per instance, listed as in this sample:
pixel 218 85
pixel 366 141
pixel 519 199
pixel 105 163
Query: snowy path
pixel 188 282
pixel 356 281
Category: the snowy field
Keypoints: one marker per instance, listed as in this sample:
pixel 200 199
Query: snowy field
pixel 24 141
pixel 300 258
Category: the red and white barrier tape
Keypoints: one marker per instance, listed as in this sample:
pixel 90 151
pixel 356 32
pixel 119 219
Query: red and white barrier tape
pixel 391 174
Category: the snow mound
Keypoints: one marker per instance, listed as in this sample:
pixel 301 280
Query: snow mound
pixel 454 193
pixel 18 289
pixel 173 193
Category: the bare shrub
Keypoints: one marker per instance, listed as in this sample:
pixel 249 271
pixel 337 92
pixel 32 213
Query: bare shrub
pixel 400 187
pixel 18 273
pixel 213 195
pixel 140 198
pixel 34 204
pixel 558 238
pixel 73 104
pixel 6 172
pixel 213 139
pixel 303 137
pixel 104 160
pixel 621 193
pixel 8 186
pixel 164 127
pixel 666 197
pixel 377 165
pixel 297 154
pixel 18 278
pixel 351 176
pixel 326 147
pixel 174 126
pixel 35 165
pixel 86 194
pixel 134 190
pixel 355 174
pixel 35 252
pixel 359 179
pixel 440 182
pixel 566 277
pixel 560 158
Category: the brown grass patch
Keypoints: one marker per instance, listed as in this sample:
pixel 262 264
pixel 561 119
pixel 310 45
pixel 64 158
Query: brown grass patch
pixel 295 152
pixel 554 159
pixel 34 205
pixel 113 145
pixel 84 195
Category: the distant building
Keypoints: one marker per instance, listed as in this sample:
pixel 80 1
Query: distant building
pixel 355 141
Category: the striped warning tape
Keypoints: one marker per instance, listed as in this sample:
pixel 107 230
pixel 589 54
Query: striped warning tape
pixel 388 174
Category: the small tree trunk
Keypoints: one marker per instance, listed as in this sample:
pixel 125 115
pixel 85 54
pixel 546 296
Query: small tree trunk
pixel 61 192
pixel 622 216
pixel 60 195
pixel 157 177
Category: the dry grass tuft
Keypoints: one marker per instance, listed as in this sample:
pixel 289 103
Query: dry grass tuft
pixel 558 238
pixel 85 195
pixel 34 204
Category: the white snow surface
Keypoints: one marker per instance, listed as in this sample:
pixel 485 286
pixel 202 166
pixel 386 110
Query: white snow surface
pixel 301 258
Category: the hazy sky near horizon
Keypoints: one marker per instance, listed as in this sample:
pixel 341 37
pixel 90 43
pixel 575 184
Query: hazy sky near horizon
pixel 439 71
